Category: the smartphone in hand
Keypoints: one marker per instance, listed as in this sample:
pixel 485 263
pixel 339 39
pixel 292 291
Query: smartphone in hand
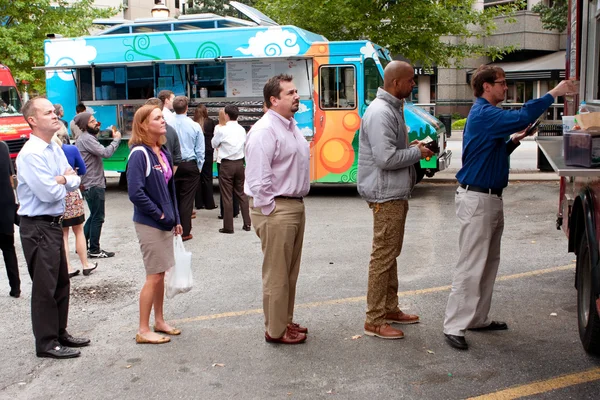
pixel 533 128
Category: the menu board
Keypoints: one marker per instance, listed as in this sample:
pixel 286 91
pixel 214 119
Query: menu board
pixel 248 78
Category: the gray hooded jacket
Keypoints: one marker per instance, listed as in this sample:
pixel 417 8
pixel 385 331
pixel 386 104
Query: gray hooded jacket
pixel 385 163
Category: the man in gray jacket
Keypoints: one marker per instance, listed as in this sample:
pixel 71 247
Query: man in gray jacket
pixel 93 182
pixel 386 177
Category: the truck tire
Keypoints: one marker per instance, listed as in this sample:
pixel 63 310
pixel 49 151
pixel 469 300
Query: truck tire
pixel 587 314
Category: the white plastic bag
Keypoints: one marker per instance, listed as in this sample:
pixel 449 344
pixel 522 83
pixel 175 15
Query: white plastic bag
pixel 179 278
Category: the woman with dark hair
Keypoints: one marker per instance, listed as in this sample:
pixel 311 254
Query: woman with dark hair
pixel 151 189
pixel 204 194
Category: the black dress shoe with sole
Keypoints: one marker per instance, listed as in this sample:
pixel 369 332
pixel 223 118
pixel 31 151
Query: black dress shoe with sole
pixel 71 341
pixel 223 230
pixel 458 342
pixel 16 295
pixel 59 352
pixel 246 228
pixel 494 326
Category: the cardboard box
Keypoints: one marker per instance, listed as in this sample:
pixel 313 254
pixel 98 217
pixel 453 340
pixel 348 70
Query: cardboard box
pixel 581 149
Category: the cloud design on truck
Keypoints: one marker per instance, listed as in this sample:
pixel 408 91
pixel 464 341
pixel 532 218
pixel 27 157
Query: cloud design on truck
pixel 272 43
pixel 65 53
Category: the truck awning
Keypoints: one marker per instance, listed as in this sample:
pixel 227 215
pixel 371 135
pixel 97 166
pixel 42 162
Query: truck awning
pixel 549 66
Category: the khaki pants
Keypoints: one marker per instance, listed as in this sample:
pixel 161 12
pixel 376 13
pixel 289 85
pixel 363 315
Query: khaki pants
pixel 481 217
pixel 281 234
pixel 388 234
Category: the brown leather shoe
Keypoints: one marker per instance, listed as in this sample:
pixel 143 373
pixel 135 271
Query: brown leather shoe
pixel 384 331
pixel 298 328
pixel 401 318
pixel 291 336
pixel 186 238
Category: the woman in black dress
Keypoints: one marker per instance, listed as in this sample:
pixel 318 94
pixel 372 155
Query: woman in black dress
pixel 204 194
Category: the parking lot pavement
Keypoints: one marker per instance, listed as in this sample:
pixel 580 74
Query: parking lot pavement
pixel 222 353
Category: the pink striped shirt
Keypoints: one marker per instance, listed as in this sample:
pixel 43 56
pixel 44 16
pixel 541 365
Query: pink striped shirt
pixel 277 161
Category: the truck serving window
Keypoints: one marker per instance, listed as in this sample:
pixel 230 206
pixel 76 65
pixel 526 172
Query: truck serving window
pixel 337 87
pixel 10 104
pixel 373 80
pixel 118 83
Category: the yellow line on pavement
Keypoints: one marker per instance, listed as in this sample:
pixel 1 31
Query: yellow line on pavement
pixel 543 386
pixel 348 300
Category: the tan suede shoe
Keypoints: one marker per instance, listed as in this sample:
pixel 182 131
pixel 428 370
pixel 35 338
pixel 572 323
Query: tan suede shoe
pixel 384 331
pixel 401 318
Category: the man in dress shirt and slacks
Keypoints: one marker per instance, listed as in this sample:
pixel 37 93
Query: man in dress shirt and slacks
pixel 44 178
pixel 277 179
pixel 187 177
pixel 230 139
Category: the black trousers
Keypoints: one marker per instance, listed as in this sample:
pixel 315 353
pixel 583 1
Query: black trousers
pixel 7 245
pixel 231 183
pixel 236 203
pixel 44 251
pixel 204 194
pixel 187 179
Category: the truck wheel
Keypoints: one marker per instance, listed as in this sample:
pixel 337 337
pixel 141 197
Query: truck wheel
pixel 587 314
pixel 420 172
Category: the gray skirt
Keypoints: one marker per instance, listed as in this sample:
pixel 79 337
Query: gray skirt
pixel 156 247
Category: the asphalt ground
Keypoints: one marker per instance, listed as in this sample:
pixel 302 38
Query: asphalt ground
pixel 222 352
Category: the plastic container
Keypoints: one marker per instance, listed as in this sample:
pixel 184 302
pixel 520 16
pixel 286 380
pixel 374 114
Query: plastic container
pixel 203 93
pixel 568 123
pixel 581 149
pixel 583 108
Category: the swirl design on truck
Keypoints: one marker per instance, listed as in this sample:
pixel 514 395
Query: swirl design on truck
pixel 141 42
pixel 208 50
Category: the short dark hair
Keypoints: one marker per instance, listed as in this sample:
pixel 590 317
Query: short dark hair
pixel 485 74
pixel 180 104
pixel 165 94
pixel 273 87
pixel 79 108
pixel 154 101
pixel 232 111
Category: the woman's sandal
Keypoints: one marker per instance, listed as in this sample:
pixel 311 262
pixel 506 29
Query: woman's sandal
pixel 140 339
pixel 173 331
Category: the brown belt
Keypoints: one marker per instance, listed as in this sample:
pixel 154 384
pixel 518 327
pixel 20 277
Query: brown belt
pixel 300 199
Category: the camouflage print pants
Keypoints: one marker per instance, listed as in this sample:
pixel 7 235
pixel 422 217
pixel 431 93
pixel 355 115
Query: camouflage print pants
pixel 388 234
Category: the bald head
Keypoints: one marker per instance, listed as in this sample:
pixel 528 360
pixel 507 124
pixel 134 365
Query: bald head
pixel 398 79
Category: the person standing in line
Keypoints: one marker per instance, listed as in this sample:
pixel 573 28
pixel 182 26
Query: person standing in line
pixel 45 177
pixel 236 205
pixel 204 195
pixel 75 131
pixel 8 209
pixel 479 204
pixel 277 179
pixel 192 155
pixel 74 212
pixel 172 143
pixel 156 218
pixel 386 177
pixel 94 182
pixel 230 139
pixel 167 97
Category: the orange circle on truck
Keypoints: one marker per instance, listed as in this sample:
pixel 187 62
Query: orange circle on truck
pixel 351 121
pixel 337 155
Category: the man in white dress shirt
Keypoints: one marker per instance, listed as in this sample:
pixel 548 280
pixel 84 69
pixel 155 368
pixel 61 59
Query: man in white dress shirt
pixel 167 97
pixel 231 139
pixel 44 178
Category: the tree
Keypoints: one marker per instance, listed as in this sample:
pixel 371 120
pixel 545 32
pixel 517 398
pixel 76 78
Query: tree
pixel 219 7
pixel 412 28
pixel 555 16
pixel 25 25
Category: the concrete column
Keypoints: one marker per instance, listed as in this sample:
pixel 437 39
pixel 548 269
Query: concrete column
pixel 424 95
pixel 478 5
pixel 531 3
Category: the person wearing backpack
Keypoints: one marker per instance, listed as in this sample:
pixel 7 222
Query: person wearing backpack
pixel 151 189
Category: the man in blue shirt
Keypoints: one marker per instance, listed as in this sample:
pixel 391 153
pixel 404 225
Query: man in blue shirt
pixel 187 177
pixel 479 207
pixel 44 177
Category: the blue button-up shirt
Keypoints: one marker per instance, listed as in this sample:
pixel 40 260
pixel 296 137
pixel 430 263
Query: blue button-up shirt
pixel 191 139
pixel 37 165
pixel 485 148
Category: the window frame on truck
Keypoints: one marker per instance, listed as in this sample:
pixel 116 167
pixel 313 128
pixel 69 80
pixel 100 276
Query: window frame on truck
pixel 337 82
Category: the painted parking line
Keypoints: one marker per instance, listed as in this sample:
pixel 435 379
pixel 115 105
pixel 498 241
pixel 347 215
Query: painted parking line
pixel 539 387
pixel 349 300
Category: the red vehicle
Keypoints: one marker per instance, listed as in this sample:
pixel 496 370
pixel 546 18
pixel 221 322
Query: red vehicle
pixel 14 131
pixel 579 204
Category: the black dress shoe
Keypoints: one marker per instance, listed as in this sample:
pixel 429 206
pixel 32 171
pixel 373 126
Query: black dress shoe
pixel 220 216
pixel 458 342
pixel 494 326
pixel 70 341
pixel 223 230
pixel 59 352
pixel 15 293
pixel 74 273
pixel 246 228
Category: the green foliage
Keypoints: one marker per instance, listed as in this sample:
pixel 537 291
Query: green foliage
pixel 459 124
pixel 456 116
pixel 25 25
pixel 555 17
pixel 430 32
pixel 219 7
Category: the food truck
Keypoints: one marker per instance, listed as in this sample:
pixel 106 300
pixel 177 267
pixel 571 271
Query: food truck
pixel 14 131
pixel 576 157
pixel 216 61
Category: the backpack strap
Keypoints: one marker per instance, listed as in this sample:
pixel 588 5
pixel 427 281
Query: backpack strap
pixel 148 164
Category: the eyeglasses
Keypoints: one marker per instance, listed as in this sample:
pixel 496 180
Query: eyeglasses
pixel 502 83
